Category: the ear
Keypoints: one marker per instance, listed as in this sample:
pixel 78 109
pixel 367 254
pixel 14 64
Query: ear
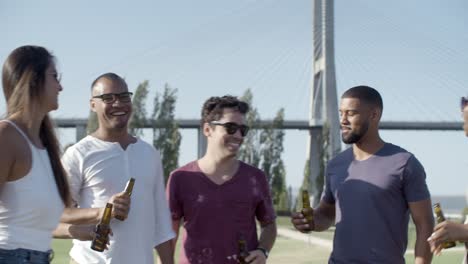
pixel 376 114
pixel 92 105
pixel 207 129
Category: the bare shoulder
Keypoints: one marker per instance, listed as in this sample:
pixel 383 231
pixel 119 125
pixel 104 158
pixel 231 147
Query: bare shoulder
pixel 15 155
pixel 7 136
pixel 10 138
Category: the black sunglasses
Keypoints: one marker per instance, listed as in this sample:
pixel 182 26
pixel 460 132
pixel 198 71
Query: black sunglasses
pixel 463 103
pixel 110 98
pixel 231 127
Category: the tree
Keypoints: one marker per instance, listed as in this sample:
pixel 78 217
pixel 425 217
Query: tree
pixel 166 135
pixel 93 123
pixel 291 205
pixel 138 119
pixel 271 139
pixel 317 187
pixel 324 158
pixel 250 149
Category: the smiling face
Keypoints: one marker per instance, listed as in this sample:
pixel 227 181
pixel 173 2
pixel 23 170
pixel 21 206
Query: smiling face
pixel 113 116
pixel 219 140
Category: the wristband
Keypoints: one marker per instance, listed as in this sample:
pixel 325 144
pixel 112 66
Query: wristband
pixel 264 251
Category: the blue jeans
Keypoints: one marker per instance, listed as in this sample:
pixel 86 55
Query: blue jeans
pixel 25 256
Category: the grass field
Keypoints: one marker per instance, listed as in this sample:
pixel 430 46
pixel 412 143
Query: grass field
pixel 289 251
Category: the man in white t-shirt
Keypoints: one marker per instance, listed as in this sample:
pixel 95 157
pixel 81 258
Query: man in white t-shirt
pixel 99 167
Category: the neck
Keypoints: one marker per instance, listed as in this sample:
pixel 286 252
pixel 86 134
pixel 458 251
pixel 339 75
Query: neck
pixel 218 167
pixel 367 146
pixel 122 137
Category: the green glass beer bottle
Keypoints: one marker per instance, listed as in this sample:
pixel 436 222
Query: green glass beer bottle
pixel 243 252
pixel 128 191
pixel 439 219
pixel 102 230
pixel 307 211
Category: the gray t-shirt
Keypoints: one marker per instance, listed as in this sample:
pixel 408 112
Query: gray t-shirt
pixel 371 199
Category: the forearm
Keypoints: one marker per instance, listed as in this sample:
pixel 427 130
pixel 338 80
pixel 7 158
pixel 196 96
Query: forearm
pixel 465 234
pixel 165 252
pixel 80 216
pixel 173 242
pixel 422 251
pixel 67 231
pixel 322 220
pixel 267 236
pixel 62 231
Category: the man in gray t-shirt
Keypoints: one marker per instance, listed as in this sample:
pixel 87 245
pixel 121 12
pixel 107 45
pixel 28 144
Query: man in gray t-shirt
pixel 370 191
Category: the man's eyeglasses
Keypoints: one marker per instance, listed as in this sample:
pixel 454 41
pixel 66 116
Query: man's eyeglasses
pixel 110 98
pixel 463 103
pixel 231 127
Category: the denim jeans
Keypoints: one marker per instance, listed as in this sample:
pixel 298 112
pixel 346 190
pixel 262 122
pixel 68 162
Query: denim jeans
pixel 25 256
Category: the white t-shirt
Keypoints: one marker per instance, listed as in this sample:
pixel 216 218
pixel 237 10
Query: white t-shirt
pixel 99 169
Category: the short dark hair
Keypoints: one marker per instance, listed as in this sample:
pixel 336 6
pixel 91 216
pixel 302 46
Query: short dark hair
pixel 213 107
pixel 364 93
pixel 110 76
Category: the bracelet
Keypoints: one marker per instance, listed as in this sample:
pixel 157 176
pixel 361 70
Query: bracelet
pixel 264 251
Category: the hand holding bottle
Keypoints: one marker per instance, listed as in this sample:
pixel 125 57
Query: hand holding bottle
pixel 304 221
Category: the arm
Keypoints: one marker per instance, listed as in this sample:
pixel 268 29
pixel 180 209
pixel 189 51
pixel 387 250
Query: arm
pixel 323 218
pixel 266 241
pixel 267 235
pixel 165 252
pixel 175 227
pixel 13 155
pixel 7 157
pixel 421 212
pixel 164 230
pixel 447 231
pixel 175 208
pixel 81 232
pixel 83 216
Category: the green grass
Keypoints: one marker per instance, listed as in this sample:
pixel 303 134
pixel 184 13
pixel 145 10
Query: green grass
pixel 286 250
pixel 61 248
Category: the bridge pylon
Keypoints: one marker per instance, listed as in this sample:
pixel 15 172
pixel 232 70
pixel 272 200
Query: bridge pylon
pixel 323 96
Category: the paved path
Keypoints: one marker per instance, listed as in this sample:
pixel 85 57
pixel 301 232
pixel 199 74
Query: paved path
pixel 308 238
pixel 326 243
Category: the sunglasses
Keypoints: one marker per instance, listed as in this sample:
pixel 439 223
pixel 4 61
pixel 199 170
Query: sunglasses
pixel 463 103
pixel 110 98
pixel 231 128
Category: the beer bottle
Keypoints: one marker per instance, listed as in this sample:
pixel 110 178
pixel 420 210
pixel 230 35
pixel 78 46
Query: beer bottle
pixel 243 252
pixel 102 230
pixel 128 191
pixel 306 209
pixel 440 218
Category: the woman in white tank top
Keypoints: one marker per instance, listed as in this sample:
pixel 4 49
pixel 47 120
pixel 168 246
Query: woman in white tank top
pixel 33 186
pixel 448 230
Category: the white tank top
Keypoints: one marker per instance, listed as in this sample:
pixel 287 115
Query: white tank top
pixel 30 207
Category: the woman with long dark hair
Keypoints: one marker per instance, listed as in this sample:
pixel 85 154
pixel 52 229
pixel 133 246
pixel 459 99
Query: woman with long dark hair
pixel 33 185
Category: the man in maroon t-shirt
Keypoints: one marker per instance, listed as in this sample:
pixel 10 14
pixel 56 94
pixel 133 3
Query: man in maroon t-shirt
pixel 218 198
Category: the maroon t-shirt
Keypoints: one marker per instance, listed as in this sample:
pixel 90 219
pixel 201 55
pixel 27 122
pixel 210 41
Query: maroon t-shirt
pixel 215 216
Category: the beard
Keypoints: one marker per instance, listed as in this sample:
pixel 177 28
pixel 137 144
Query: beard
pixel 355 136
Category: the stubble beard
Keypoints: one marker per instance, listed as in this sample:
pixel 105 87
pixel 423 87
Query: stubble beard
pixel 354 137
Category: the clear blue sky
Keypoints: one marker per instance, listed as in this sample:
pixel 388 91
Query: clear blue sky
pixel 413 52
